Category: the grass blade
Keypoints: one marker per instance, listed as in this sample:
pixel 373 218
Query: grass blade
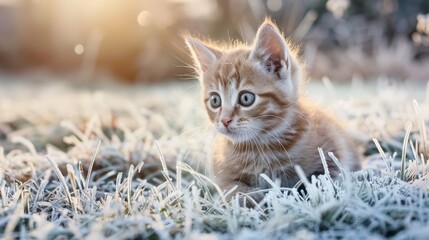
pixel 62 181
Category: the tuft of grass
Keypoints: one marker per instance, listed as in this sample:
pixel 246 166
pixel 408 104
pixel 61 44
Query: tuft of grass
pixel 129 164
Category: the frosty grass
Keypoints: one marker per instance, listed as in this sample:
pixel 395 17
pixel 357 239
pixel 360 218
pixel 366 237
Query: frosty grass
pixel 121 163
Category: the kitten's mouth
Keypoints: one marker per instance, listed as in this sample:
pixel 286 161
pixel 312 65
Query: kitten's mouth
pixel 233 133
pixel 228 131
pixel 236 133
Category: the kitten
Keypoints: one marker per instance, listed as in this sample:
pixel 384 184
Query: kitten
pixel 251 94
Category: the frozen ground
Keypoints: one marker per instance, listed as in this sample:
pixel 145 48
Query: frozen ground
pixel 128 163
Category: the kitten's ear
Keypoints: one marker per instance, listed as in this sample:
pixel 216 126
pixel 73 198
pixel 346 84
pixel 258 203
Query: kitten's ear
pixel 270 49
pixel 203 55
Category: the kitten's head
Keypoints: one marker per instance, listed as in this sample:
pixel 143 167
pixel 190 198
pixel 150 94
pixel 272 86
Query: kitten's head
pixel 249 91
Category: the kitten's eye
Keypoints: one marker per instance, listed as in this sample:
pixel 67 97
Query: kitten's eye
pixel 215 101
pixel 246 99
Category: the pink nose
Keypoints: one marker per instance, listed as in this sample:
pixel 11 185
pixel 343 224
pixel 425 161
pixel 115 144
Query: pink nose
pixel 226 121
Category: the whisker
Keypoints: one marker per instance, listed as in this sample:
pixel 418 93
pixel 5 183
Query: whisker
pixel 278 141
pixel 275 156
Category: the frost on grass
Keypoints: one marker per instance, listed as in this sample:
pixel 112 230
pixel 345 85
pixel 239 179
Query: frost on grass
pixel 126 164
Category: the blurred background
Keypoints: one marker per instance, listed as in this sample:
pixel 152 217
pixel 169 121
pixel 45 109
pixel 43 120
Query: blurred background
pixel 139 41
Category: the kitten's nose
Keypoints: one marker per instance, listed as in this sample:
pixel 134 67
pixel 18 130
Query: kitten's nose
pixel 226 121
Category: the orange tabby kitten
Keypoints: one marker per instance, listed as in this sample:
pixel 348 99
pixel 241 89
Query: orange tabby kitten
pixel 251 96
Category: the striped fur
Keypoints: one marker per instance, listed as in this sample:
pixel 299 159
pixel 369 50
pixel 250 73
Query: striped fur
pixel 279 130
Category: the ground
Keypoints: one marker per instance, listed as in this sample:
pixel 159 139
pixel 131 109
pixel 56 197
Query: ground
pixel 123 162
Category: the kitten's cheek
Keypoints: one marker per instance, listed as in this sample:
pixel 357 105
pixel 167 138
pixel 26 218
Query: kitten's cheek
pixel 212 116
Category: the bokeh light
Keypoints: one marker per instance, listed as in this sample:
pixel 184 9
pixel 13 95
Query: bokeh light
pixel 79 49
pixel 144 18
pixel 274 5
pixel 423 23
pixel 337 7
